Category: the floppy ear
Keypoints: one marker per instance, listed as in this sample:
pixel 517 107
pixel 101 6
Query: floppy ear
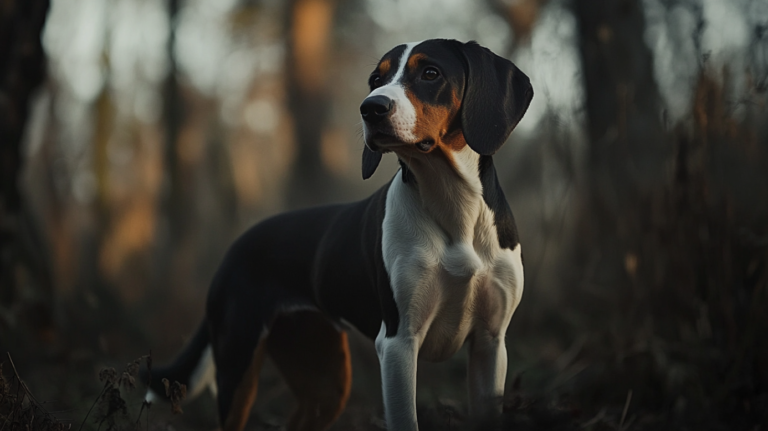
pixel 371 161
pixel 496 95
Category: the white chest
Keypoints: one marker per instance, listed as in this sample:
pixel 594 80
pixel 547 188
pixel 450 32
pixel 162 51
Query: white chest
pixel 448 279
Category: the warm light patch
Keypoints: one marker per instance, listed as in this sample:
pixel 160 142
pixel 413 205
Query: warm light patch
pixel 245 167
pixel 631 263
pixel 311 37
pixel 133 232
pixel 522 15
pixel 334 151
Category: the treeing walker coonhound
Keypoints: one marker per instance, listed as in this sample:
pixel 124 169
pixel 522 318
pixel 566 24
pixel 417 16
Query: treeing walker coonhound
pixel 428 262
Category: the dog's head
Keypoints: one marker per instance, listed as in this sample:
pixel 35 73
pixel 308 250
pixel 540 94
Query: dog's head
pixel 441 94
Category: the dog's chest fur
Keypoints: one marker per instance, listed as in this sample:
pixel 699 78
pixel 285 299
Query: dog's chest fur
pixel 448 273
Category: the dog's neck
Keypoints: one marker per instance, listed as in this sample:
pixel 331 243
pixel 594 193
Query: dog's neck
pixel 449 188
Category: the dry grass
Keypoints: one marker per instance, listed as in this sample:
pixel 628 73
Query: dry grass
pixel 21 411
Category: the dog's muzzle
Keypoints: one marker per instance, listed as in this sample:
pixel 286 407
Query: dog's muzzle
pixel 376 108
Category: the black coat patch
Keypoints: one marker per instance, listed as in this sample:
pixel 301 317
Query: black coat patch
pixel 494 197
pixel 407 175
pixel 349 279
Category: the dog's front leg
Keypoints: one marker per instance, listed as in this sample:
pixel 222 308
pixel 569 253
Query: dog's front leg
pixel 487 371
pixel 397 359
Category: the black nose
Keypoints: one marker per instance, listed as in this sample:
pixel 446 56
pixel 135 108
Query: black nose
pixel 375 108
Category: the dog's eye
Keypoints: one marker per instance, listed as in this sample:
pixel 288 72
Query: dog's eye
pixel 374 81
pixel 430 74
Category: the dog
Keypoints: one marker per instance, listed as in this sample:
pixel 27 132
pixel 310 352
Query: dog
pixel 428 262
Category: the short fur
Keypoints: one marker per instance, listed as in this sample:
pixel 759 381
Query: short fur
pixel 428 262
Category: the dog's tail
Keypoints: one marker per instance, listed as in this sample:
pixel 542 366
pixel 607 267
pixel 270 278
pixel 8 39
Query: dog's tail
pixel 193 367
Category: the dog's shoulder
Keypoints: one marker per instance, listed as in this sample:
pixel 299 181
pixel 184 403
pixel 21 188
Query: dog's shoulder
pixel 349 277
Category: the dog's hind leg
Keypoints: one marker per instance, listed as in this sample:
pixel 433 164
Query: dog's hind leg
pixel 237 376
pixel 313 357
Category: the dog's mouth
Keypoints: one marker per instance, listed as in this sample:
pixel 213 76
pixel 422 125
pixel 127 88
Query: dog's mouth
pixel 385 143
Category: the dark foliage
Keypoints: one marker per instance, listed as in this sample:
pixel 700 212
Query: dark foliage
pixel 20 410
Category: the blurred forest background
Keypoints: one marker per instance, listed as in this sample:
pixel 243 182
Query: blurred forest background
pixel 138 138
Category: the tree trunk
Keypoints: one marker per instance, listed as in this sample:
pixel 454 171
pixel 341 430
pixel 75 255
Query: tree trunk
pixel 627 143
pixel 173 117
pixel 628 149
pixel 23 262
pixel 309 40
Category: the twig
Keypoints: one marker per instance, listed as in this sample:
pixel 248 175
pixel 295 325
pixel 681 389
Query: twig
pixel 626 407
pixel 21 382
pixel 148 359
pixel 34 410
pixel 598 417
pixel 146 404
pixel 21 385
pixel 16 403
pixel 106 385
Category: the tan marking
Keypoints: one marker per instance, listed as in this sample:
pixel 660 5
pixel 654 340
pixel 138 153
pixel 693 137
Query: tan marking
pixel 434 122
pixel 246 392
pixel 384 66
pixel 454 141
pixel 413 62
pixel 313 357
